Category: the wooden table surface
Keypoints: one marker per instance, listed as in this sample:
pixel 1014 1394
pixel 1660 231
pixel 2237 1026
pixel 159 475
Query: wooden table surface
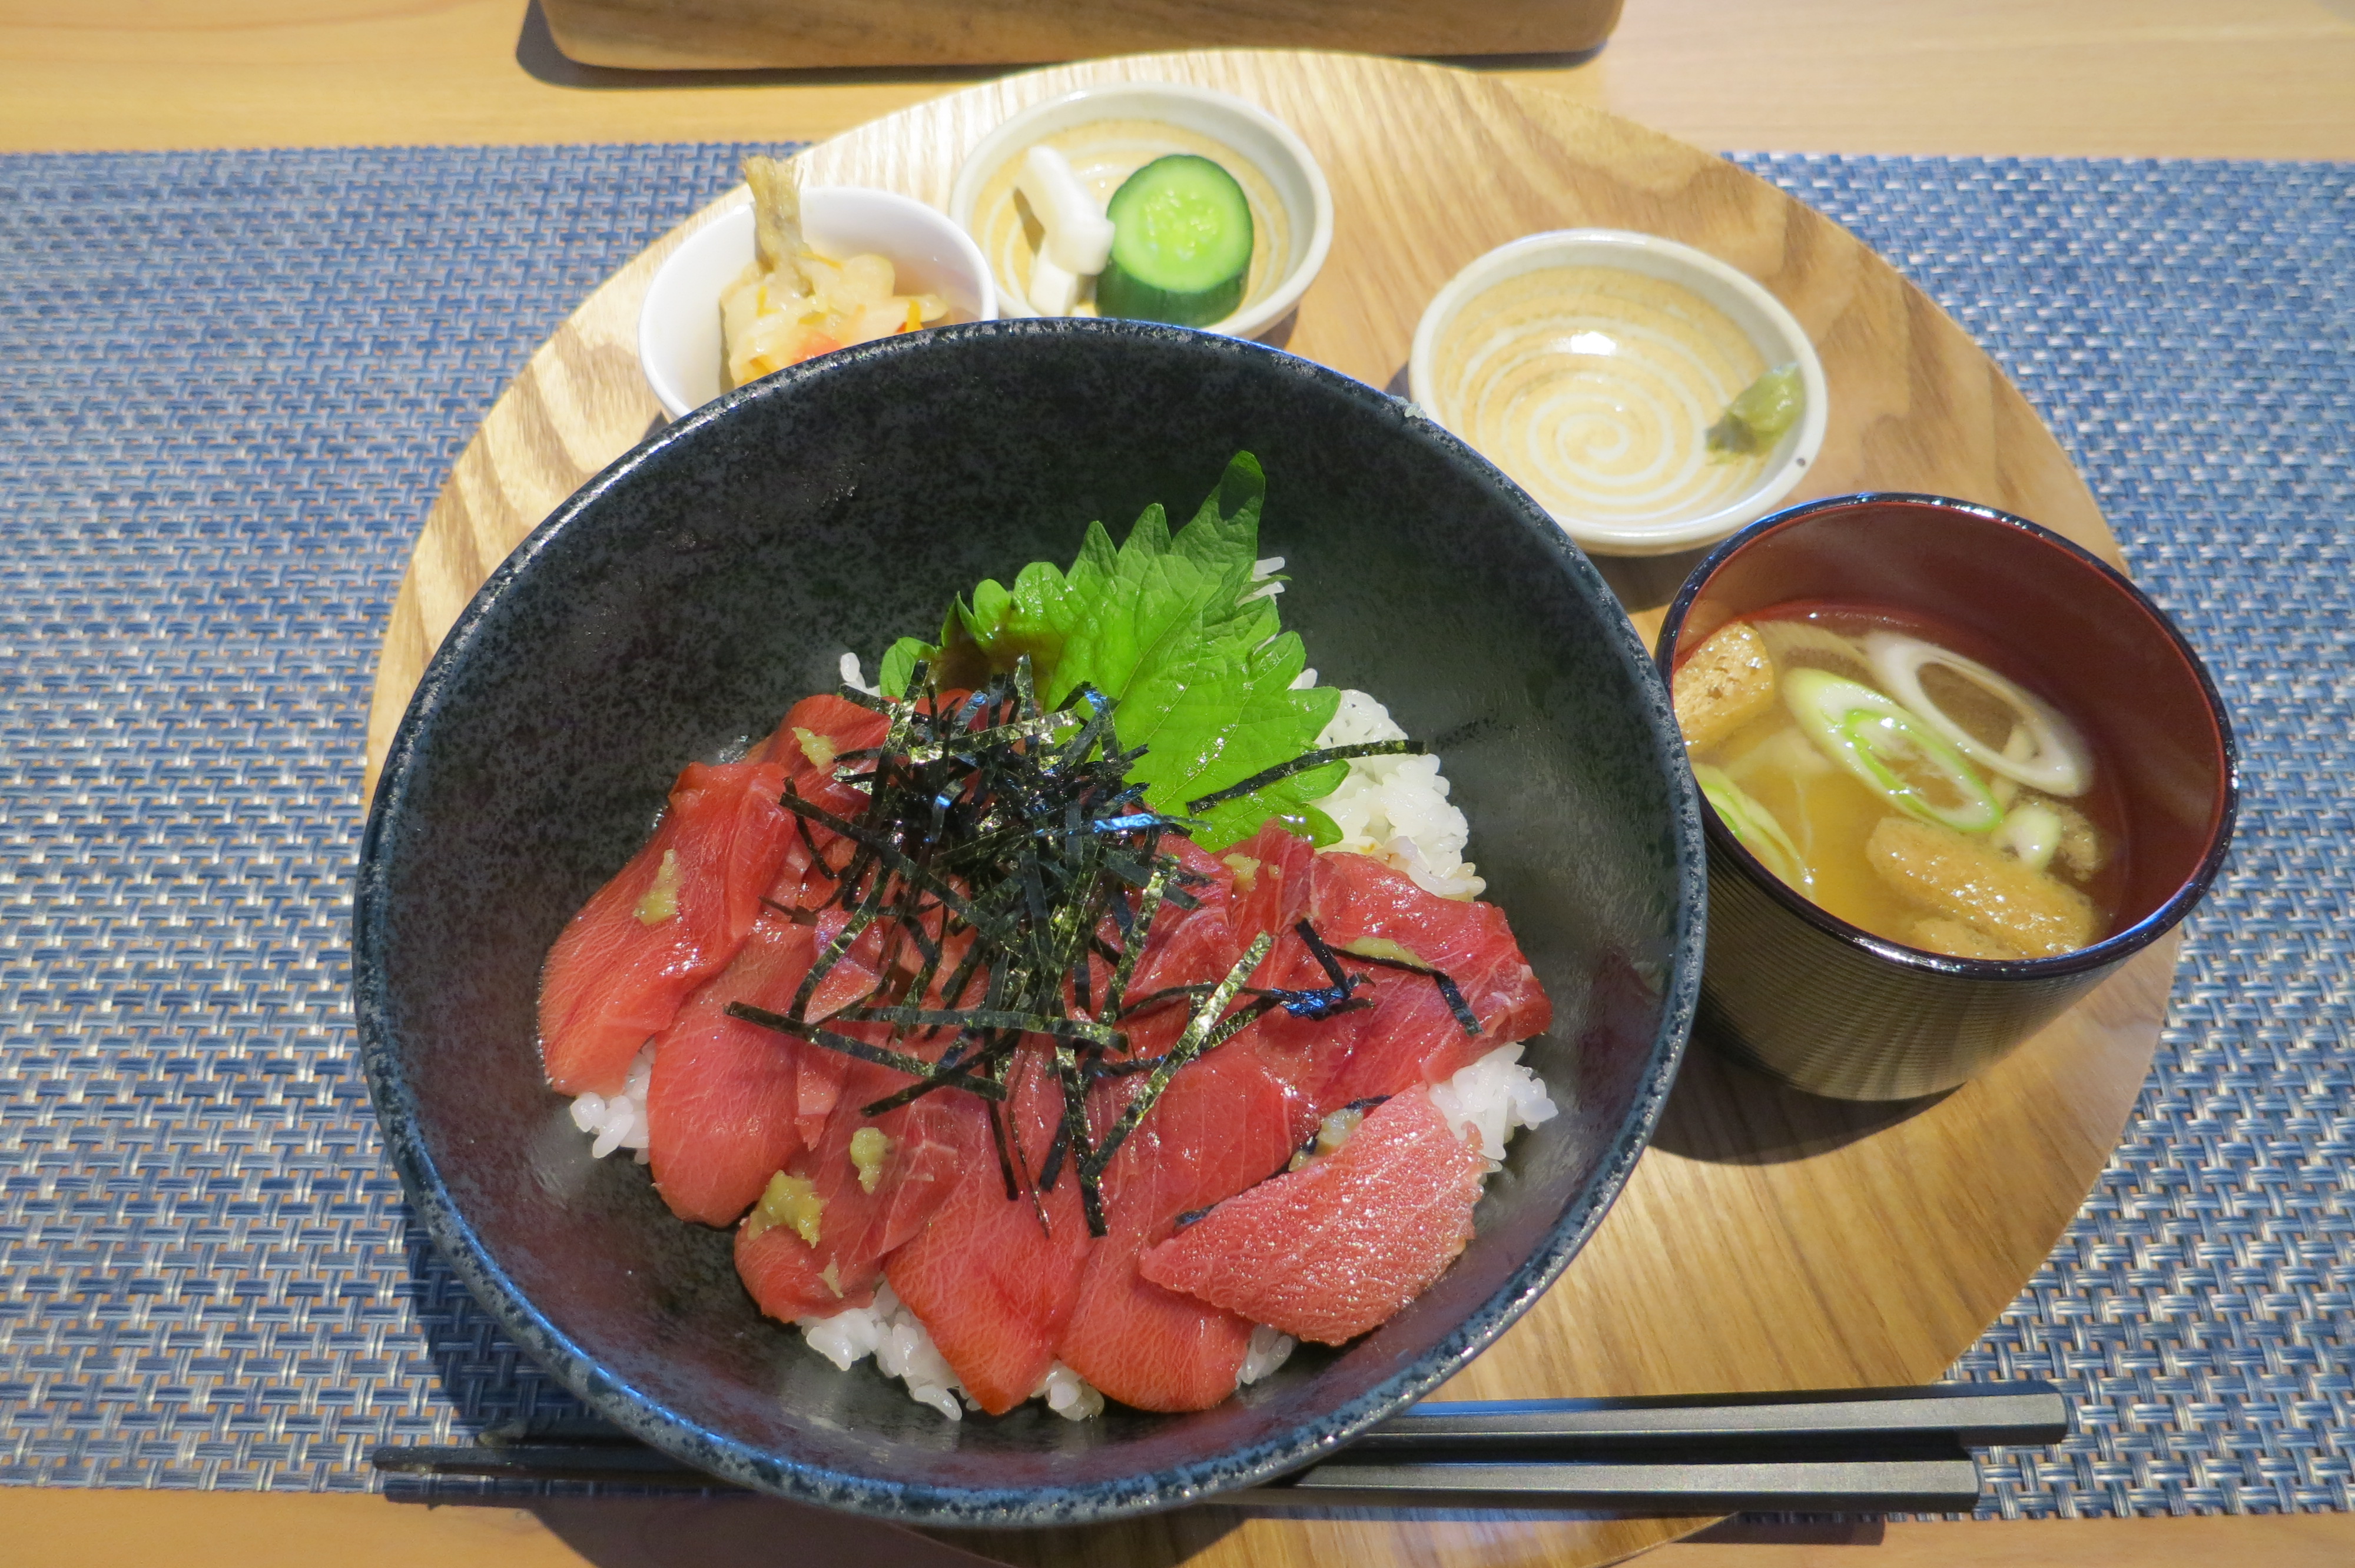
pixel 2112 78
pixel 2248 79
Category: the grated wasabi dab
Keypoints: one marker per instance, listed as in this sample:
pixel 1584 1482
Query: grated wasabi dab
pixel 1759 415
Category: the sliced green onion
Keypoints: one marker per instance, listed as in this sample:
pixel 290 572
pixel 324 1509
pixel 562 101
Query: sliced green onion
pixel 2030 834
pixel 1894 753
pixel 1756 826
pixel 2057 760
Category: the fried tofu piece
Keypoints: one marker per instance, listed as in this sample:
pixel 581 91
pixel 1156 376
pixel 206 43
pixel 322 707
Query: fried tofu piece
pixel 2081 850
pixel 1958 938
pixel 1967 879
pixel 1728 682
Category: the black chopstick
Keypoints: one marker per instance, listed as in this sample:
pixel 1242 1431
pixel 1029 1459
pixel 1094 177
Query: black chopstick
pixel 1920 1484
pixel 1977 1416
pixel 1849 1450
pixel 1927 1484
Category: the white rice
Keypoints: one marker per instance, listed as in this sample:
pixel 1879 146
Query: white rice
pixel 1395 809
pixel 900 1344
pixel 619 1121
pixel 852 677
pixel 1270 1349
pixel 1492 1099
pixel 903 1348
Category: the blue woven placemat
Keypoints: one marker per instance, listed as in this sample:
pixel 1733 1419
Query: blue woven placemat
pixel 230 384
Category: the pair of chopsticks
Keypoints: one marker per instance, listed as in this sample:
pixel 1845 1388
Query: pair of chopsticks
pixel 1874 1450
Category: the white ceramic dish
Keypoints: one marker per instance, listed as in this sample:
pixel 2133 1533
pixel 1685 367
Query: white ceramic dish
pixel 1442 388
pixel 678 326
pixel 1288 190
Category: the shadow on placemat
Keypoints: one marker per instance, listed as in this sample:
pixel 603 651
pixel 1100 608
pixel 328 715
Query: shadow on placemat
pixel 487 1379
pixel 734 1533
pixel 651 1527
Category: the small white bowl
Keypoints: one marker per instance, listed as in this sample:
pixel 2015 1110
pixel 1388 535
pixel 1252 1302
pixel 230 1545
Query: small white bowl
pixel 1287 175
pixel 678 327
pixel 1772 330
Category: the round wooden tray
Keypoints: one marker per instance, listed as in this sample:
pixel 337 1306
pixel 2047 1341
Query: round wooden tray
pixel 1767 1240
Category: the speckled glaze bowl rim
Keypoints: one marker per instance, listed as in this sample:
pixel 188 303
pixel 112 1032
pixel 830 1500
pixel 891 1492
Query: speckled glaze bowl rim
pixel 578 1370
pixel 990 155
pixel 2111 949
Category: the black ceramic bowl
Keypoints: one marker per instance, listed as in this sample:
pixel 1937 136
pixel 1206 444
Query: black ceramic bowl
pixel 691 592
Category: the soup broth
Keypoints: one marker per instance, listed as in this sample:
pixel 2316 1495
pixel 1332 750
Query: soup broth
pixel 1891 772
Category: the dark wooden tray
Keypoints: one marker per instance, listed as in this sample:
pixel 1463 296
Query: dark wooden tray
pixel 735 35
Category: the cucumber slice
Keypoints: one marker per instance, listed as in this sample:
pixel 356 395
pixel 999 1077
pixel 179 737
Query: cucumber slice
pixel 1181 244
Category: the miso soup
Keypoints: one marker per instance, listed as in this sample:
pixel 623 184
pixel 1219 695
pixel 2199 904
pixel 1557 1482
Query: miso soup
pixel 1874 764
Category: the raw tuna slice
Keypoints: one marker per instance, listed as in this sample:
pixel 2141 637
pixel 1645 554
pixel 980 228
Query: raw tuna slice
pixel 1186 944
pixel 1357 901
pixel 806 882
pixel 1223 1124
pixel 1410 1037
pixel 1330 1251
pixel 926 1150
pixel 1272 871
pixel 1261 884
pixel 817 1089
pixel 992 1282
pixel 720 1110
pixel 672 918
pixel 817 730
pixel 851 979
pixel 854 976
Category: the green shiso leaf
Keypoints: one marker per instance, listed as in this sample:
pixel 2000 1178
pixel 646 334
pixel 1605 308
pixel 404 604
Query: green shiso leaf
pixel 1161 622
pixel 900 661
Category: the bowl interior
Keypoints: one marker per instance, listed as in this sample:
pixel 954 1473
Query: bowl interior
pixel 678 326
pixel 688 596
pixel 1437 383
pixel 2029 604
pixel 1109 132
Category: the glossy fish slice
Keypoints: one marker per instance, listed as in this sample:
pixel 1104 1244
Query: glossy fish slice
pixel 619 973
pixel 925 1147
pixel 815 733
pixel 1272 872
pixel 994 1282
pixel 1223 1125
pixel 1410 1037
pixel 720 1109
pixel 1334 1249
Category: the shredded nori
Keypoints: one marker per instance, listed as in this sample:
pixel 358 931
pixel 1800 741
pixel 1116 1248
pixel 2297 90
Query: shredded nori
pixel 1302 764
pixel 1014 830
pixel 1447 988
